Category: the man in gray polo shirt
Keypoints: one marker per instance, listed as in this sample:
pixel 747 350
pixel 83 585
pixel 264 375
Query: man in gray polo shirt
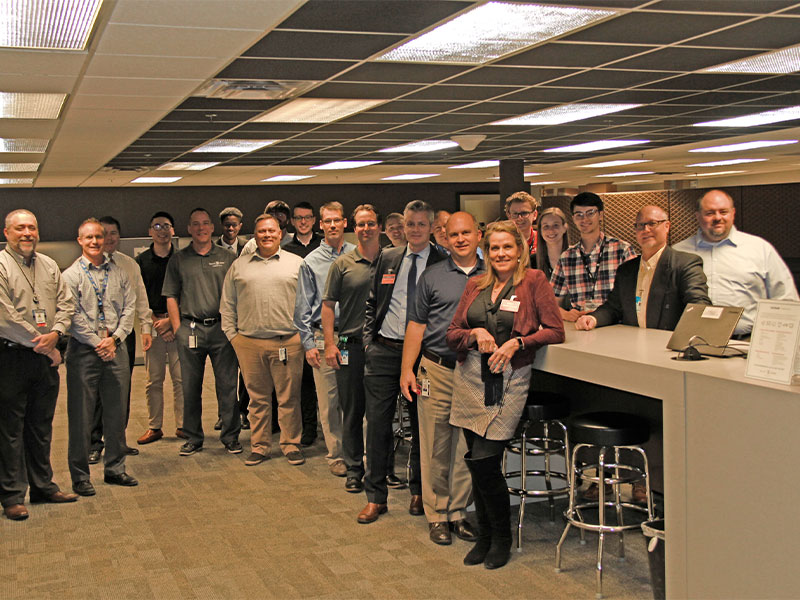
pixel 446 484
pixel 193 286
pixel 348 284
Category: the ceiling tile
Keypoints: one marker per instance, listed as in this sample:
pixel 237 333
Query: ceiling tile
pixel 407 73
pixel 510 76
pixel 265 68
pixel 320 44
pixel 767 33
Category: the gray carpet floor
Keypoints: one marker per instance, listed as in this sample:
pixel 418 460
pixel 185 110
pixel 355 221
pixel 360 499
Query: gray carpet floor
pixel 207 527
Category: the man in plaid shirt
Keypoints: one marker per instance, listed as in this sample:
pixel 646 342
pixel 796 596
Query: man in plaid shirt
pixel 585 271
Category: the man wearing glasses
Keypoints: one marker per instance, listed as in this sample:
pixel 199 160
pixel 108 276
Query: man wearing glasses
pixel 586 270
pixel 521 208
pixel 231 220
pixel 652 290
pixel 308 321
pixel 305 239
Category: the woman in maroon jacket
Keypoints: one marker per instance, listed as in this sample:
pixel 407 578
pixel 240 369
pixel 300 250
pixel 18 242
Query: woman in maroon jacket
pixel 504 316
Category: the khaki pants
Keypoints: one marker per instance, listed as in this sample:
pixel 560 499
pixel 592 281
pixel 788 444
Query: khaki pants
pixel 156 360
pixel 446 483
pixel 330 409
pixel 263 371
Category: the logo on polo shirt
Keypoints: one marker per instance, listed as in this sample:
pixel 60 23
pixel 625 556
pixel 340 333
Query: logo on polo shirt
pixel 217 263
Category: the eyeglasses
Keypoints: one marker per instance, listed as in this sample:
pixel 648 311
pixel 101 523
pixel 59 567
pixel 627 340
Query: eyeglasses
pixel 161 226
pixel 586 214
pixel 648 225
pixel 514 216
pixel 366 224
pixel 307 218
pixel 335 221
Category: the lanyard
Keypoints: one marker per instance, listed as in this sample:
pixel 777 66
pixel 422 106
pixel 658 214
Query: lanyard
pixel 593 276
pixel 32 280
pixel 97 291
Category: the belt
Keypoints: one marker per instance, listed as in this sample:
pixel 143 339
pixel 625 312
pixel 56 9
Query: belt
pixel 397 344
pixel 207 321
pixel 439 360
pixel 162 315
pixel 4 343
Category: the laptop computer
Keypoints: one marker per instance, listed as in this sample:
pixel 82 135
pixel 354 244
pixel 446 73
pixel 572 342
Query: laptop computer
pixel 708 329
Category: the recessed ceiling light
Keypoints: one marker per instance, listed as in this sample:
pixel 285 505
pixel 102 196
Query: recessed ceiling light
pixel 565 114
pixel 598 145
pixel 187 166
pixel 721 163
pixel 233 146
pixel 316 110
pixel 786 60
pixel 481 164
pixel 716 173
pixel 409 176
pixel 763 118
pixel 613 163
pixel 288 177
pixel 493 30
pixel 23 105
pixel 156 179
pixel 626 174
pixel 744 146
pixel 23 145
pixel 48 24
pixel 424 146
pixel 13 181
pixel 346 164
pixel 7 167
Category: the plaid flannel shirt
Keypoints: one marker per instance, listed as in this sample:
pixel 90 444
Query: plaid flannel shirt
pixel 589 276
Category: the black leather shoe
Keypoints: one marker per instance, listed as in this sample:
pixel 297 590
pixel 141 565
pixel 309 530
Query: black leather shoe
pixel 354 485
pixel 94 456
pixel 245 422
pixel 83 488
pixel 464 530
pixel 218 425
pixel 121 479
pixel 440 533
pixel 393 481
pixel 131 451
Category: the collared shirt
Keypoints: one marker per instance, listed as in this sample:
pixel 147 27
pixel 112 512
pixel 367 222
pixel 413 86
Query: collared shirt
pixel 231 247
pixel 119 300
pixel 394 323
pixel 532 243
pixel 643 281
pixel 17 283
pixel 741 270
pixel 439 291
pixel 195 280
pixel 313 275
pixel 258 295
pixel 302 250
pixel 348 284
pixel 589 277
pixel 134 273
pixel 154 268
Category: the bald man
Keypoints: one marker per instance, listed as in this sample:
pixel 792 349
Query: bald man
pixel 651 290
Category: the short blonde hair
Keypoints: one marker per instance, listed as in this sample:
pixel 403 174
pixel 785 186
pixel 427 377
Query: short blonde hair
pixel 521 197
pixel 490 277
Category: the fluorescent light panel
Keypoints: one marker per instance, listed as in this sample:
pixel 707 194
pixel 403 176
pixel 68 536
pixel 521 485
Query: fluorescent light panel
pixel 763 118
pixel 744 146
pixel 288 178
pixel 233 146
pixel 409 176
pixel 722 163
pixel 23 145
pixel 626 174
pixel 47 24
pixel 23 105
pixel 545 182
pixel 19 167
pixel 786 60
pixel 424 146
pixel 492 30
pixel 481 164
pixel 316 110
pixel 156 179
pixel 565 114
pixel 346 164
pixel 187 166
pixel 717 173
pixel 15 181
pixel 598 145
pixel 613 163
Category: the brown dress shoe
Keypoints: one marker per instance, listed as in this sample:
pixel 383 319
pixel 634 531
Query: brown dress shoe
pixel 150 436
pixel 440 533
pixel 415 508
pixel 56 498
pixel 180 434
pixel 371 513
pixel 16 512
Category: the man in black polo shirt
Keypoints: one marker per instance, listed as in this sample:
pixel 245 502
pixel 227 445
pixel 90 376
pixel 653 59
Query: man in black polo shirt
pixel 163 352
pixel 193 287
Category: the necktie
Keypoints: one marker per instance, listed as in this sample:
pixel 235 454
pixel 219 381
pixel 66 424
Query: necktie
pixel 411 286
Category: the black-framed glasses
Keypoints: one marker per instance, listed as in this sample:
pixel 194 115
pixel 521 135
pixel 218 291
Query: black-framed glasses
pixel 306 218
pixel 648 224
pixel 524 214
pixel 161 226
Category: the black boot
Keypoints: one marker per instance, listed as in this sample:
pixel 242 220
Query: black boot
pixel 493 487
pixel 481 548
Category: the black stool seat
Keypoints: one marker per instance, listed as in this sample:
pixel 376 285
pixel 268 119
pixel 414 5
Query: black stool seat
pixel 545 406
pixel 609 429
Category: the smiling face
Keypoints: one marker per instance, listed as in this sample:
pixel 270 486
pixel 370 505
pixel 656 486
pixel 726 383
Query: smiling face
pixel 439 227
pixel 395 231
pixel 523 215
pixel 161 230
pixel 418 229
pixel 268 236
pixel 111 242
pixel 463 236
pixel 91 239
pixel 303 220
pixel 366 226
pixel 652 230
pixel 716 215
pixel 552 228
pixel 503 254
pixel 22 233
pixel 587 219
pixel 200 227
pixel 333 224
pixel 231 226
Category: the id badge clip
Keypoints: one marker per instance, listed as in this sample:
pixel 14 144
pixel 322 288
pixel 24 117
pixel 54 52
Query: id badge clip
pixel 282 355
pixel 510 305
pixel 192 337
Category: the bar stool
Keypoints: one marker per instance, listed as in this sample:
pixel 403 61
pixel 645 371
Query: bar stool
pixel 606 432
pixel 545 409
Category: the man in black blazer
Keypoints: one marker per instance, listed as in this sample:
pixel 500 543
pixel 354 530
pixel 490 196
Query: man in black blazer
pixel 393 289
pixel 652 290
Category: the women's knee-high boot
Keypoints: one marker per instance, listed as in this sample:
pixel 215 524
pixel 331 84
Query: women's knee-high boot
pixel 494 490
pixel 481 548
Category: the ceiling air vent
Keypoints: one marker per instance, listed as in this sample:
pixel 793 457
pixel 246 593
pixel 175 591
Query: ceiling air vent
pixel 253 89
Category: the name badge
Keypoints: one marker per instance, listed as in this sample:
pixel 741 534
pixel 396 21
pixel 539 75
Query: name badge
pixel 638 304
pixel 345 356
pixel 319 343
pixel 424 387
pixel 40 317
pixel 388 279
pixel 510 305
pixel 192 341
pixel 282 355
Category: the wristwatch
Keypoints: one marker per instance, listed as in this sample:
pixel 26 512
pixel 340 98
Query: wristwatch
pixel 116 340
pixel 521 343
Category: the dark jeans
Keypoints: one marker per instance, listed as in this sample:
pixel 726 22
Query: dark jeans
pixel 350 381
pixel 382 385
pixel 211 342
pixel 97 417
pixel 28 392
pixel 308 402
